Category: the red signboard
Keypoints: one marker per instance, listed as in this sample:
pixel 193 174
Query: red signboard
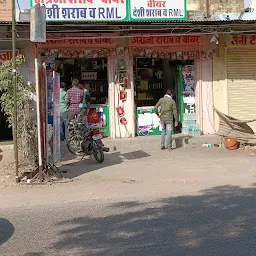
pixel 6 55
pixel 164 40
pixel 79 40
pixel 243 40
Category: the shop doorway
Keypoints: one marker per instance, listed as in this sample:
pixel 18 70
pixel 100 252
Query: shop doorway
pixel 88 71
pixel 5 130
pixel 92 72
pixel 153 77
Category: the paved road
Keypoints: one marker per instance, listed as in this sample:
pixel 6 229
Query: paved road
pixel 192 202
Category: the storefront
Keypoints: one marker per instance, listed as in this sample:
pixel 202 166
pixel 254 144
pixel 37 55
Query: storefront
pixel 241 78
pixel 128 74
pixel 180 63
pixel 126 79
pixel 75 56
pixel 234 77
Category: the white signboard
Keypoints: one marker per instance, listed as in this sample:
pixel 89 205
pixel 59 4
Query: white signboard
pixel 158 9
pixel 89 76
pixel 84 10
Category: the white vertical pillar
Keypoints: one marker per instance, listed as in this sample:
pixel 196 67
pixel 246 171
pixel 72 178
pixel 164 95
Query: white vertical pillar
pixel 207 96
pixel 118 130
pixel 111 97
pixel 204 95
pixel 38 112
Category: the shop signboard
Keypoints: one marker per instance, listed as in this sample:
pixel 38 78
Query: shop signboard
pixel 5 10
pixel 164 40
pixel 158 10
pixel 78 40
pixel 113 10
pixel 84 10
pixel 6 55
pixel 242 40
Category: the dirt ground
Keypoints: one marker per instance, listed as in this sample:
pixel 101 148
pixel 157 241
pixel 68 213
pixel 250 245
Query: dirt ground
pixel 141 153
pixel 7 168
pixel 7 176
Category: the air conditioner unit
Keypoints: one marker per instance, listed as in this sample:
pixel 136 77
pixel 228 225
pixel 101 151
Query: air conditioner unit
pixel 24 16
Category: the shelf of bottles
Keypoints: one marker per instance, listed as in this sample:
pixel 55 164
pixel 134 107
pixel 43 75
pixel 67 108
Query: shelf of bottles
pixel 94 73
pixel 149 81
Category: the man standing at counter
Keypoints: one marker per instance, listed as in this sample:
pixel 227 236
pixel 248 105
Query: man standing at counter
pixel 86 101
pixel 168 109
pixel 87 98
pixel 74 97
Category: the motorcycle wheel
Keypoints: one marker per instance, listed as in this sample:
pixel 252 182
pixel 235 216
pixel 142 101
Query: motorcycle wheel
pixel 98 153
pixel 74 145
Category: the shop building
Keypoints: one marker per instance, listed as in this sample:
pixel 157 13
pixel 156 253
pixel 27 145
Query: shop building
pixel 86 58
pixel 182 63
pixel 234 77
pixel 128 69
pixel 127 76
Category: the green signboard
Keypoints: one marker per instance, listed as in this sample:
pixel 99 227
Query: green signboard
pixel 150 10
pixel 113 10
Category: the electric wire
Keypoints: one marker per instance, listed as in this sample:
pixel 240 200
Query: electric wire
pixel 131 36
pixel 17 1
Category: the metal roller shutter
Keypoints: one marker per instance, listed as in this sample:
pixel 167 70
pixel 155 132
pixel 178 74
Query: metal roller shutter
pixel 241 75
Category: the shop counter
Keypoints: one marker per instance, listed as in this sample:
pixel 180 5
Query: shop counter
pixel 148 123
pixel 99 114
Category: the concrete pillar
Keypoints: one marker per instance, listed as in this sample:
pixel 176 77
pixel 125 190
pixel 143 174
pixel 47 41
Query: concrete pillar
pixel 220 97
pixel 118 130
pixel 204 95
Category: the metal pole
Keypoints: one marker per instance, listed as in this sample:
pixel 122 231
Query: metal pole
pixel 207 9
pixel 14 81
pixel 39 119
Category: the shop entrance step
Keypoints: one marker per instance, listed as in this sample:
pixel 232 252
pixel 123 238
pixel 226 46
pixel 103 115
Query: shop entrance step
pixel 152 142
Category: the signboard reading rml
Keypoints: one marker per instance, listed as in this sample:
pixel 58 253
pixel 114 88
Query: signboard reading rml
pixel 158 9
pixel 84 10
pixel 113 10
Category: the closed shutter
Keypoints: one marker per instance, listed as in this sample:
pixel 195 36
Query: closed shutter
pixel 241 75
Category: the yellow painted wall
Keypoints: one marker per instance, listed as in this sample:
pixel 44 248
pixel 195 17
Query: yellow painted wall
pixel 220 97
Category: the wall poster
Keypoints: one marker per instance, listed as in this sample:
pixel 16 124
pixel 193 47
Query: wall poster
pixel 56 117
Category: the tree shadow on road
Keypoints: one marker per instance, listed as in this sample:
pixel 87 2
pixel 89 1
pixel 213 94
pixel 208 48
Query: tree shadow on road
pixel 89 164
pixel 6 230
pixel 218 221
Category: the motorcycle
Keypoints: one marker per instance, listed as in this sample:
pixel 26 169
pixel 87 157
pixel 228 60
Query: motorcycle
pixel 86 140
